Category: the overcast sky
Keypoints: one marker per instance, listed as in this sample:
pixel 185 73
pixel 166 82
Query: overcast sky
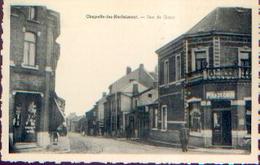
pixel 95 52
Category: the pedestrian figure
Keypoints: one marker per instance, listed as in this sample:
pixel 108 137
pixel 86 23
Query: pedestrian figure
pixel 184 138
pixel 55 137
pixel 128 132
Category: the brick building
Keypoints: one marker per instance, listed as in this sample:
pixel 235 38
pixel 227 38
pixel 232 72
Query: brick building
pixel 34 54
pixel 205 81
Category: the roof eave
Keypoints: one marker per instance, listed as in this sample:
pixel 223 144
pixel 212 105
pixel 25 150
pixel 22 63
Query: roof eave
pixel 184 36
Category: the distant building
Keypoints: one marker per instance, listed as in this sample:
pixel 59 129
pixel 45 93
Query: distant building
pixel 119 100
pixel 34 54
pixel 143 115
pixel 92 127
pixel 73 122
pixel 100 114
pixel 205 81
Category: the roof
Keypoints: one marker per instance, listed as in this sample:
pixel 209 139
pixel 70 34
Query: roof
pixel 227 20
pixel 136 75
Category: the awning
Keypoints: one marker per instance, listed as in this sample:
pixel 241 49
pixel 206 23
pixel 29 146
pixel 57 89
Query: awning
pixel 57 116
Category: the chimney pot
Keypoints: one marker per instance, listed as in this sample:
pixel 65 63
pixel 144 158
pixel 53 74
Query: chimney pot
pixel 128 70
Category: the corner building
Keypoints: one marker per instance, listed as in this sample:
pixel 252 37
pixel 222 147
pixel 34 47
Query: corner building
pixel 205 81
pixel 33 104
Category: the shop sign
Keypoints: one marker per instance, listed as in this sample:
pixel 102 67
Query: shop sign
pixel 220 95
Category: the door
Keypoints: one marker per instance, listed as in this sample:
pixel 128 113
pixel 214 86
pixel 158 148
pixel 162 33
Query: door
pixel 222 128
pixel 26 117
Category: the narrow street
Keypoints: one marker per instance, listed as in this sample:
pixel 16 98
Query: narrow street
pixel 77 143
pixel 96 144
pixel 90 144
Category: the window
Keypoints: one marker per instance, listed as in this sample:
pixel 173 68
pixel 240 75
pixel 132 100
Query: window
pixel 150 95
pixel 244 61
pixel 245 58
pixel 248 116
pixel 194 117
pixel 32 13
pixel 29 49
pixel 200 60
pixel 155 118
pixel 164 118
pixel 177 67
pixel 166 72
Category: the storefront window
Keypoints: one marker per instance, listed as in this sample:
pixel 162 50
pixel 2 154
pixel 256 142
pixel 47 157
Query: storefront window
pixel 195 117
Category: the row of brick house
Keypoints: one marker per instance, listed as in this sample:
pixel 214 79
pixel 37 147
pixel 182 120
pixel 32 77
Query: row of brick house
pixel 204 83
pixel 35 110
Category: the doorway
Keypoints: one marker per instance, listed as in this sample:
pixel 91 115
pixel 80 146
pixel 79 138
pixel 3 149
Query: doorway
pixel 26 117
pixel 222 128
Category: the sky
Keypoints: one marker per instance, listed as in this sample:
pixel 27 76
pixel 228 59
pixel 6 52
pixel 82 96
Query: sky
pixel 94 53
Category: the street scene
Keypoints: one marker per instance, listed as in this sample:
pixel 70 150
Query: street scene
pixel 196 100
pixel 77 143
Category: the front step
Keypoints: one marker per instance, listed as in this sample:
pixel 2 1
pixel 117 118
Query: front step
pixel 27 147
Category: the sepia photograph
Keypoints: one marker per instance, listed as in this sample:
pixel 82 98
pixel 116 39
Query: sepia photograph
pixel 161 78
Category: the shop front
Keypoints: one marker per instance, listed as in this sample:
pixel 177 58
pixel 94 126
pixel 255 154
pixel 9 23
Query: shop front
pixel 222 119
pixel 26 120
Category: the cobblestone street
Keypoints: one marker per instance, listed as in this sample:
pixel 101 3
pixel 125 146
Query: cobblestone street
pixel 77 143
pixel 89 144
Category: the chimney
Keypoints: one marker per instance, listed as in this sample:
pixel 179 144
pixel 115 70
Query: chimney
pixel 128 70
pixel 104 94
pixel 141 66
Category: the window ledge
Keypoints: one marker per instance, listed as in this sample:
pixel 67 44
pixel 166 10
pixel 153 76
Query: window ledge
pixel 34 21
pixel 154 129
pixel 163 130
pixel 36 67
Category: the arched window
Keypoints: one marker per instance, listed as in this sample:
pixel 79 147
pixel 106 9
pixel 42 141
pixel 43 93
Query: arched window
pixel 29 49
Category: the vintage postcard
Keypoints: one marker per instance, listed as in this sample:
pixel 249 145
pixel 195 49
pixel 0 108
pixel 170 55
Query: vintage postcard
pixel 170 81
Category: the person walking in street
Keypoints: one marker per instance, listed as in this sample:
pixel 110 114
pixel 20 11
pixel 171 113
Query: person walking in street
pixel 184 138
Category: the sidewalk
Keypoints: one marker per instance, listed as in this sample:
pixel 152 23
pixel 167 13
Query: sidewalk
pixel 62 146
pixel 195 149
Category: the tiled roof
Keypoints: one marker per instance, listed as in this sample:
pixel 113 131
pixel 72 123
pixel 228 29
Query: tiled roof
pixel 225 19
pixel 133 76
pixel 228 20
